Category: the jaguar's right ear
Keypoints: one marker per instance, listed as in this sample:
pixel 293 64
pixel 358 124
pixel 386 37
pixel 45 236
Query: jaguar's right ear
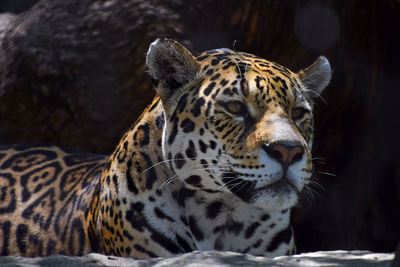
pixel 171 66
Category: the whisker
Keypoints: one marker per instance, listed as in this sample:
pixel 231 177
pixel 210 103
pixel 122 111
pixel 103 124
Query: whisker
pixel 318 158
pixel 196 168
pixel 312 193
pixel 234 43
pixel 179 190
pixel 167 181
pixel 155 165
pixel 298 205
pixel 237 184
pixel 237 65
pixel 308 90
pixel 314 183
pixel 243 185
pixel 327 173
pixel 234 181
pixel 169 160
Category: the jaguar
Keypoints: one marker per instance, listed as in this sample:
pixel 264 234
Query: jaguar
pixel 216 162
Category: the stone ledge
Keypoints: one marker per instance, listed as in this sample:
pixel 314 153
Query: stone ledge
pixel 211 258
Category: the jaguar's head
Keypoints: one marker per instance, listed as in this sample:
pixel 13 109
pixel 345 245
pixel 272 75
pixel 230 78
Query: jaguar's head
pixel 237 123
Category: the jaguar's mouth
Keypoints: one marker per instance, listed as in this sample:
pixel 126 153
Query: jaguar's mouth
pixel 247 190
pixel 281 186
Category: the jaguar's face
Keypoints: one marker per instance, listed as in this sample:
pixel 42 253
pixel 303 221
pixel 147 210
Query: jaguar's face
pixel 242 125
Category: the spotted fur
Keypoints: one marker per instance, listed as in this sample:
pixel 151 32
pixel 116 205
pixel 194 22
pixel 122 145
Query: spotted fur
pixel 216 162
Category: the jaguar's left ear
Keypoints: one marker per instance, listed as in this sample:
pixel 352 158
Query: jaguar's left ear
pixel 171 67
pixel 316 77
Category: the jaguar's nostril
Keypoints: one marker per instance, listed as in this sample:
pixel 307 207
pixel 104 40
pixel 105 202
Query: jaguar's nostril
pixel 283 153
pixel 275 154
pixel 297 156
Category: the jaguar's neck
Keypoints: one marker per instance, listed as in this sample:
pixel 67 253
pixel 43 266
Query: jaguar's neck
pixel 138 156
pixel 133 173
pixel 223 222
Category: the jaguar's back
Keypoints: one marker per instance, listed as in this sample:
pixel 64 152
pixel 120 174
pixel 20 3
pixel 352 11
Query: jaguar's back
pixel 44 196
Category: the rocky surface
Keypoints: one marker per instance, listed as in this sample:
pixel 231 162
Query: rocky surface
pixel 212 258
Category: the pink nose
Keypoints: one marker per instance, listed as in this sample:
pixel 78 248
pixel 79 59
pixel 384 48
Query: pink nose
pixel 285 154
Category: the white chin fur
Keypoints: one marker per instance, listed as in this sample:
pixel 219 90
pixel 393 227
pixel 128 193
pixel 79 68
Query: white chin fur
pixel 276 201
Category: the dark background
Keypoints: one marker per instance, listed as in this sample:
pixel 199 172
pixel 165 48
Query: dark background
pixel 72 75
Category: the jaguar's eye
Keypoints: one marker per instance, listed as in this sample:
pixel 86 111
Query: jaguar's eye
pixel 297 113
pixel 236 108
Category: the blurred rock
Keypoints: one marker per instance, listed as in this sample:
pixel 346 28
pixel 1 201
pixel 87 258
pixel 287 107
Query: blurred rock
pixel 73 73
